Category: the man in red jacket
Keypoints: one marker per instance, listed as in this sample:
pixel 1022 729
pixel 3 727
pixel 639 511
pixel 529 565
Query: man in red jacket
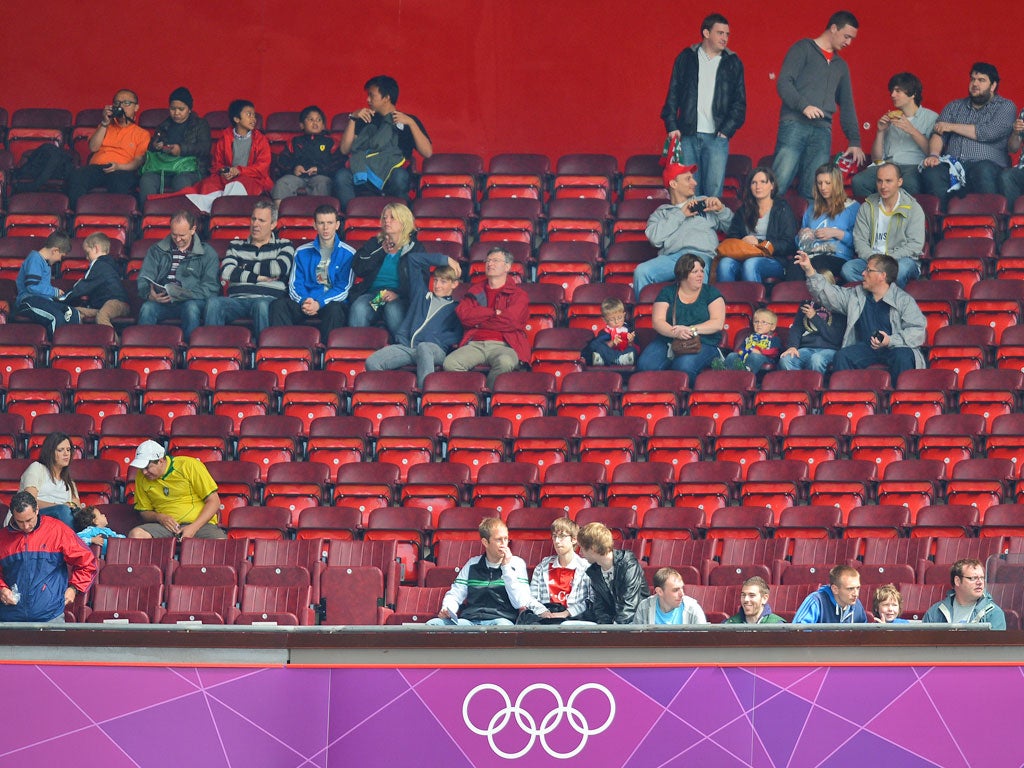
pixel 494 314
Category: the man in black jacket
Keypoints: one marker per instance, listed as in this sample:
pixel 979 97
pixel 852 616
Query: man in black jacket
pixel 616 577
pixel 706 103
pixel 100 289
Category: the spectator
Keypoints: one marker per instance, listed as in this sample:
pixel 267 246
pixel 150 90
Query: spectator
pixel 968 602
pixel 379 141
pixel 890 222
pixel 616 578
pixel 826 232
pixel 256 271
pixel 613 344
pixel 902 136
pixel 321 278
pixel 494 315
pixel 1011 180
pixel 974 132
pixel 178 275
pixel 888 604
pixel 382 268
pixel 100 288
pixel 38 298
pixel 240 164
pixel 813 81
pixel 706 103
pixel 761 346
pixel 560 586
pixel 764 218
pixel 174 495
pixel 430 328
pixel 49 479
pixel 118 147
pixel 883 322
pixel 836 602
pixel 688 224
pixel 309 162
pixel 754 607
pixel 815 336
pixel 36 553
pixel 669 604
pixel 491 588
pixel 92 528
pixel 179 155
pixel 684 311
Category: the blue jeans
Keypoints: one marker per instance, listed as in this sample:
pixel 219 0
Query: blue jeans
pixel 60 512
pixel 661 269
pixel 1011 184
pixel 426 356
pixel 398 185
pixel 221 310
pixel 190 313
pixel 861 355
pixel 362 315
pixel 437 621
pixel 755 270
pixel 755 361
pixel 808 357
pixel 909 269
pixel 709 153
pixel 983 176
pixel 801 146
pixel 655 358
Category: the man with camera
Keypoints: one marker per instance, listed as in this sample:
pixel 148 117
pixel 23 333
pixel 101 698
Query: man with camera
pixel 883 322
pixel 379 141
pixel 118 147
pixel 686 224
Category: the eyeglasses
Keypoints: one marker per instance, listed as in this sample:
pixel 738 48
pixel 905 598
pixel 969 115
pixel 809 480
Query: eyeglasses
pixel 879 271
pixel 124 103
pixel 973 579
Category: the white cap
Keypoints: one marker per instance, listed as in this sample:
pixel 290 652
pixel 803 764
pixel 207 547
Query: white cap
pixel 149 451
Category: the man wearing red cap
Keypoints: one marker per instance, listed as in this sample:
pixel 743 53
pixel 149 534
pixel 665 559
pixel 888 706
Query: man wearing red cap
pixel 687 224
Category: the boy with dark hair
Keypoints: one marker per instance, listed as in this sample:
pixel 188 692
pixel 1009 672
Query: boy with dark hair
pixel 310 161
pixel 37 295
pixel 91 527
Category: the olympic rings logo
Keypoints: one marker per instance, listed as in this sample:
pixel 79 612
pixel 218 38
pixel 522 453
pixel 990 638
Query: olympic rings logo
pixel 548 723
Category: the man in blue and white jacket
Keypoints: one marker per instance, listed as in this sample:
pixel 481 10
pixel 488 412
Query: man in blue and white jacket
pixel 837 602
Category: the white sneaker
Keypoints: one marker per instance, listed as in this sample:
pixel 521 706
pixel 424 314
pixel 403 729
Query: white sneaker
pixel 626 359
pixel 595 359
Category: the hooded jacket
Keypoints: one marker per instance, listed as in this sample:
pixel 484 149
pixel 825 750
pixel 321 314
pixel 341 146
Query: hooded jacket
pixel 984 611
pixel 820 607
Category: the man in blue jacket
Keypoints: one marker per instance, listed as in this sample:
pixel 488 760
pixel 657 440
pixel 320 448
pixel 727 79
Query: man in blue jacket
pixel 35 555
pixel 837 602
pixel 430 328
pixel 321 278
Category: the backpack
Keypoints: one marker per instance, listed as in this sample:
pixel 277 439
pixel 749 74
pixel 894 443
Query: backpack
pixel 45 162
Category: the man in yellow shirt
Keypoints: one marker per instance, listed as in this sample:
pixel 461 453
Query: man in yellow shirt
pixel 174 495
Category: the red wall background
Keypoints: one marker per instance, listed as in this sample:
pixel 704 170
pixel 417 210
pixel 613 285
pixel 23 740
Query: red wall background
pixel 485 76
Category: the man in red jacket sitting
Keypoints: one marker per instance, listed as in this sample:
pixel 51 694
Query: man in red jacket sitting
pixel 494 314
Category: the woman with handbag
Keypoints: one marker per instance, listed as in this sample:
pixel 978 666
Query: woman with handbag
pixel 688 316
pixel 766 230
pixel 179 154
pixel 826 232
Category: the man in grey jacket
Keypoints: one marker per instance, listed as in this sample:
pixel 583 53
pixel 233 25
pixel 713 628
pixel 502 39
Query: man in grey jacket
pixel 883 322
pixel 890 222
pixel 178 275
pixel 967 602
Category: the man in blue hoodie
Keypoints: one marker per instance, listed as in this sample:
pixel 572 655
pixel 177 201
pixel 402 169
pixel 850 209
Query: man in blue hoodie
pixel 430 329
pixel 837 602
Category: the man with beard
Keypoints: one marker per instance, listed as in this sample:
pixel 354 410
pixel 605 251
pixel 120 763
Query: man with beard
pixel 973 131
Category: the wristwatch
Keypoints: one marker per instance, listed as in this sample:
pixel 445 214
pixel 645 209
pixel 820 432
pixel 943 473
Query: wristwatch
pixel 693 330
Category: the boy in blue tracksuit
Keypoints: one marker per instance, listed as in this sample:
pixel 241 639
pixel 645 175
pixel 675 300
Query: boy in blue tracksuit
pixel 430 329
pixel 38 298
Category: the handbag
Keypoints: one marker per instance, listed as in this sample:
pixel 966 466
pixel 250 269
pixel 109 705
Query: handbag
pixel 159 162
pixel 688 346
pixel 741 250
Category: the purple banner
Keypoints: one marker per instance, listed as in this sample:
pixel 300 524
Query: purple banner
pixel 832 717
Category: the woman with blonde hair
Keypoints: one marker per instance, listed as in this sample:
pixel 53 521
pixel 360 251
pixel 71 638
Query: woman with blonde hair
pixel 826 232
pixel 381 267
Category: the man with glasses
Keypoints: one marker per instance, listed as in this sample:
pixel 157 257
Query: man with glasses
pixel 889 222
pixel 884 325
pixel 967 602
pixel 494 314
pixel 118 147
pixel 560 585
pixel 491 588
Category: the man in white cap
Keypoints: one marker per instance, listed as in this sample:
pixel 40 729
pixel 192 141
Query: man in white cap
pixel 174 495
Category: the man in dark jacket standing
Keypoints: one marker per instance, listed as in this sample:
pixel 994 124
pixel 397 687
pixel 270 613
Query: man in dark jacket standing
pixel 706 103
pixel 100 288
pixel 35 555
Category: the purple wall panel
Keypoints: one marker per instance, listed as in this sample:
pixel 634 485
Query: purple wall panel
pixel 830 717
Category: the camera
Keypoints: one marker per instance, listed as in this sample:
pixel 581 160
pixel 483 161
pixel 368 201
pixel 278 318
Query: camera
pixel 116 112
pixel 699 207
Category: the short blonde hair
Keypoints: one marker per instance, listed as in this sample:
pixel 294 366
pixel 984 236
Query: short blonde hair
pixel 97 240
pixel 766 314
pixel 596 537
